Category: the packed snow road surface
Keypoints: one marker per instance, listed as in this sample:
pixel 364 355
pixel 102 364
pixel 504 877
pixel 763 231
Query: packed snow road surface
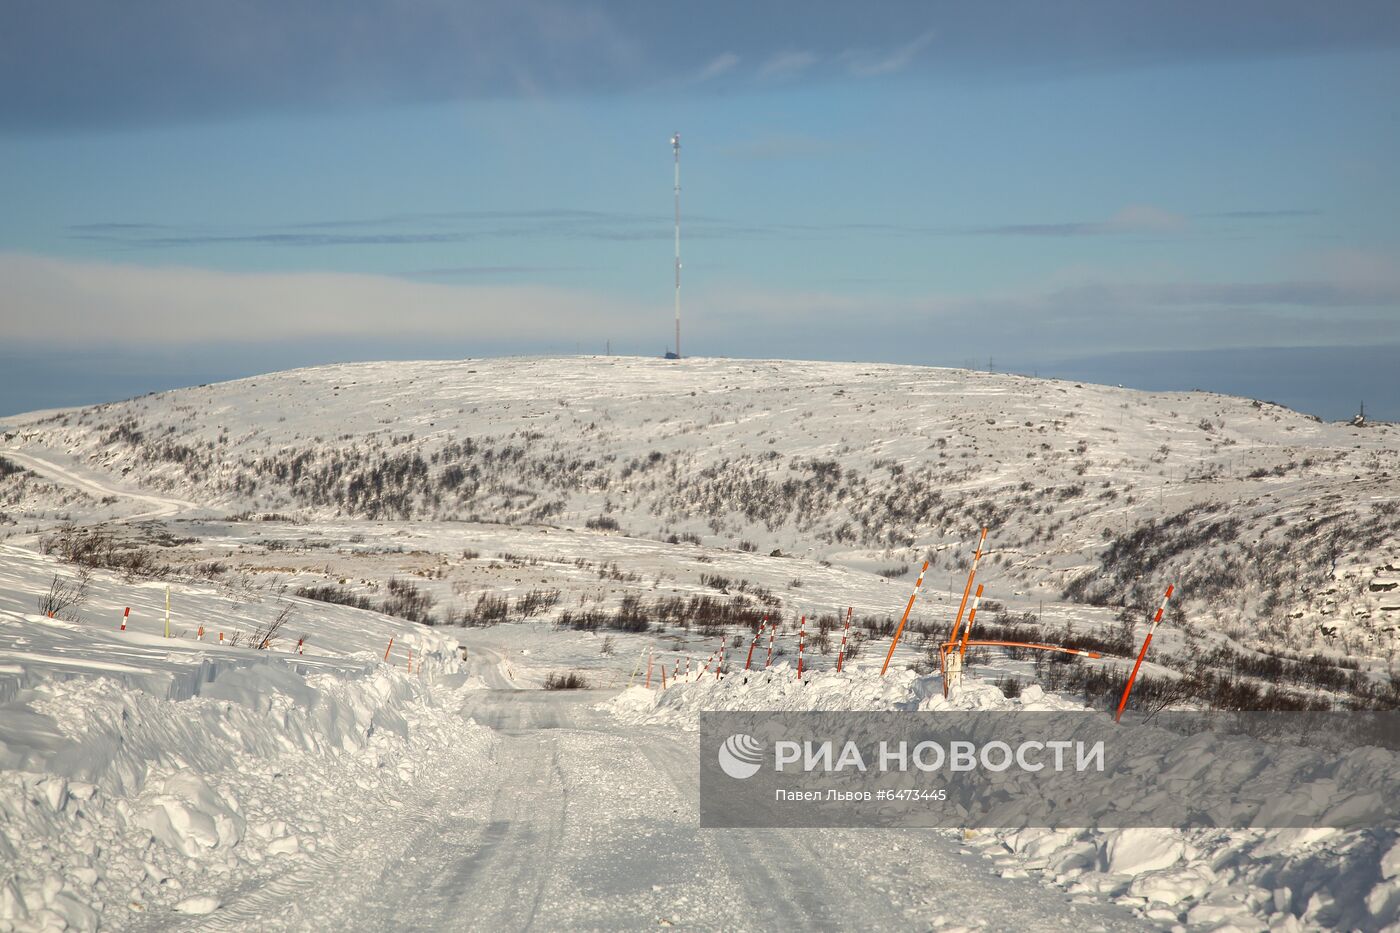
pixel 582 822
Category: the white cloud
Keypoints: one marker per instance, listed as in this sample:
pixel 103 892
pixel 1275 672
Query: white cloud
pixel 720 64
pixel 66 302
pixel 865 64
pixel 787 64
pixel 74 305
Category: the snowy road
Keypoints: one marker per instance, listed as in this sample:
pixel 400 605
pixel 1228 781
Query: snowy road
pixel 157 506
pixel 579 822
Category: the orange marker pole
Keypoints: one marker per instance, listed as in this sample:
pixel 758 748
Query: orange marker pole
pixel 1128 688
pixel 758 633
pixel 201 633
pixel 840 655
pixel 971 575
pixel 971 617
pixel 124 617
pixel 663 676
pixel 390 648
pixel 221 638
pixel 894 642
pixel 410 659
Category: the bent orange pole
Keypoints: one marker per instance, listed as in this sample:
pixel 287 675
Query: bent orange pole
pixel 971 575
pixel 894 642
pixel 1128 688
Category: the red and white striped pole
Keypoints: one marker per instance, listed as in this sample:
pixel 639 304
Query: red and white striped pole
pixel 841 655
pixel 124 617
pixel 758 633
pixel 801 644
pixel 894 642
pixel 971 576
pixel 971 617
pixel 962 649
pixel 300 642
pixel 772 633
pixel 719 665
pixel 676 671
pixel 201 633
pixel 1128 689
pixel 687 667
pixel 221 638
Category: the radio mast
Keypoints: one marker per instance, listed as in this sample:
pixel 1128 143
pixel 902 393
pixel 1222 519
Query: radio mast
pixel 676 146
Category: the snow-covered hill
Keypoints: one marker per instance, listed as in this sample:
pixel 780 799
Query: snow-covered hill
pixel 1267 520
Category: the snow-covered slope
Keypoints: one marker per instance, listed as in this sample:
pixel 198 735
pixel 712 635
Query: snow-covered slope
pixel 1265 518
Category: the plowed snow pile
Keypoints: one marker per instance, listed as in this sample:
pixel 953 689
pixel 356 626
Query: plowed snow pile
pixel 1281 879
pixel 141 775
pixel 115 802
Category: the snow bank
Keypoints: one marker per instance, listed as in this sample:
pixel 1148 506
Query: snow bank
pixel 1289 879
pixel 126 804
pixel 679 705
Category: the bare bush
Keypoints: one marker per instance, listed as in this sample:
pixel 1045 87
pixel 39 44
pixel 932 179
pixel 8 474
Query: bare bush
pixel 264 635
pixel 65 597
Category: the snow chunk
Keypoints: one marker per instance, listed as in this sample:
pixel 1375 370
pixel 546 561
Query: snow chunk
pixel 1130 851
pixel 1390 862
pixel 188 815
pixel 200 904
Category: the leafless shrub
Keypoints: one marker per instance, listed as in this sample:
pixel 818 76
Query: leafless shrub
pixel 407 601
pixel 264 635
pixel 490 610
pixel 65 597
pixel 535 602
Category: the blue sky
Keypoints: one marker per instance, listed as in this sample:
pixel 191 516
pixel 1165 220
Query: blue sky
pixel 199 191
